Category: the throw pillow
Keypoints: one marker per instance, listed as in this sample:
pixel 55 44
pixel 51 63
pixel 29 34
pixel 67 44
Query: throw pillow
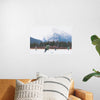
pixel 55 88
pixel 29 91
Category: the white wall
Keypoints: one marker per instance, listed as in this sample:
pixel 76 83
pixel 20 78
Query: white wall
pixel 19 17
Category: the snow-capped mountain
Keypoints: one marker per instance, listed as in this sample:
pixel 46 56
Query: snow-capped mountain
pixel 61 37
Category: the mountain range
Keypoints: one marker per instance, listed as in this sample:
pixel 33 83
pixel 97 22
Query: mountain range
pixel 63 37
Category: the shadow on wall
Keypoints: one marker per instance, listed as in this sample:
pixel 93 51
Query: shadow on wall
pixel 9 94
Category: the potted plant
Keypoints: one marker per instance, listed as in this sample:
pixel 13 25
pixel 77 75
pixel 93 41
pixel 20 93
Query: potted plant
pixel 95 41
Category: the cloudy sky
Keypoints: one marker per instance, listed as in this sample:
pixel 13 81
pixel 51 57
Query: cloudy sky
pixel 45 31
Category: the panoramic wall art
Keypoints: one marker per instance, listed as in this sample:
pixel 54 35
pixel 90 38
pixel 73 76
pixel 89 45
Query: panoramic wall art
pixel 51 40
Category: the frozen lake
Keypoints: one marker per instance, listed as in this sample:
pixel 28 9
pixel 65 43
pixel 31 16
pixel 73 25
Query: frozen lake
pixel 50 51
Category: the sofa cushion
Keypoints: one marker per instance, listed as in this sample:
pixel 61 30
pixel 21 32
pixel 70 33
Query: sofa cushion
pixel 29 91
pixel 55 88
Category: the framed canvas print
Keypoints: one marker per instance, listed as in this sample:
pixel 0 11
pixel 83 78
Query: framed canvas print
pixel 51 40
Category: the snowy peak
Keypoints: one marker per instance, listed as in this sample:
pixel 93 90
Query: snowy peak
pixel 61 37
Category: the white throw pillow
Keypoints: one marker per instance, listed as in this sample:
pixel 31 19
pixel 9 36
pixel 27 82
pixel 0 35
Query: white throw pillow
pixel 55 88
pixel 29 91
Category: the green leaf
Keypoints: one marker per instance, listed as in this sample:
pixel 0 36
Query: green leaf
pixel 94 37
pixel 87 77
pixel 96 42
pixel 94 70
pixel 98 49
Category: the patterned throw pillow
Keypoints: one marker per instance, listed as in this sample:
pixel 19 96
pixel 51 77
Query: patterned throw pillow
pixel 56 88
pixel 29 91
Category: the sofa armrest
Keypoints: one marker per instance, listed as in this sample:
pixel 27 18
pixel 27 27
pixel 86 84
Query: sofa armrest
pixel 84 95
pixel 72 97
